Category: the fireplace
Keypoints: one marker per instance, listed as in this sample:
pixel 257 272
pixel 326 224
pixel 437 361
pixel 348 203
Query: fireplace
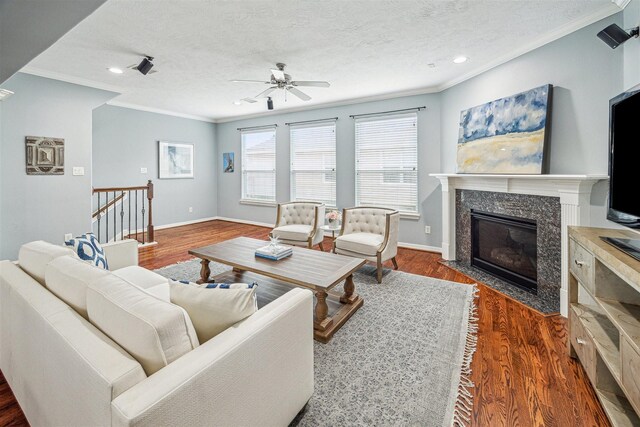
pixel 506 247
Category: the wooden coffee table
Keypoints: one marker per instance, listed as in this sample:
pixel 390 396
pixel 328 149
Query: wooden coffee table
pixel 306 268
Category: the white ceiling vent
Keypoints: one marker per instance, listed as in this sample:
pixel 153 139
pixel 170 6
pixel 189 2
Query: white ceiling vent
pixel 4 94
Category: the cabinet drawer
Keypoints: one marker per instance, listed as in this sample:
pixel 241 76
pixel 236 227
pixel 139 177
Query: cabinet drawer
pixel 584 346
pixel 631 372
pixel 581 264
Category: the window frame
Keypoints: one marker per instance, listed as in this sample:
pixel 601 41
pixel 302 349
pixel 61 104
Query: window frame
pixel 403 212
pixel 323 170
pixel 243 170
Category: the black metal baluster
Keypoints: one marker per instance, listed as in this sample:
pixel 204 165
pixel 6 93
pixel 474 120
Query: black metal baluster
pixel 137 215
pixel 106 216
pixel 129 195
pixel 144 240
pixel 121 215
pixel 98 217
pixel 115 218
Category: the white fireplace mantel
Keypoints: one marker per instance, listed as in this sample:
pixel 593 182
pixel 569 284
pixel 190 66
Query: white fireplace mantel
pixel 574 192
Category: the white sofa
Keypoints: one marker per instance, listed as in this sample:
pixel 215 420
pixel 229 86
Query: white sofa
pixel 65 371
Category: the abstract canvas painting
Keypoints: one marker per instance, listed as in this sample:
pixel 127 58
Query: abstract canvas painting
pixel 175 160
pixel 506 136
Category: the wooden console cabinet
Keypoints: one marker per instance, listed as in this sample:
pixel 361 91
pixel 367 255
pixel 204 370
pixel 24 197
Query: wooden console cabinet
pixel 604 320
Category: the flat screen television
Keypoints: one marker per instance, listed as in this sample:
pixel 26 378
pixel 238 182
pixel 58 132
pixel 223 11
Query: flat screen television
pixel 624 165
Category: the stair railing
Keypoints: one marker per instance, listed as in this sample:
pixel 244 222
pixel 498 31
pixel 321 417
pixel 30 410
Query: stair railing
pixel 119 211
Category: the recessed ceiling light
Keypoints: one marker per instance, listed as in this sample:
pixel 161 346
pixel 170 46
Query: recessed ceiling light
pixel 115 70
pixel 460 59
pixel 237 102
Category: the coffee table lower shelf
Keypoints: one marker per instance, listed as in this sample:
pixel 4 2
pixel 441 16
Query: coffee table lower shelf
pixel 270 289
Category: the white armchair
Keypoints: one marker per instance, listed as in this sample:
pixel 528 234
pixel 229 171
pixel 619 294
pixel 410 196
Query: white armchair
pixel 370 233
pixel 299 224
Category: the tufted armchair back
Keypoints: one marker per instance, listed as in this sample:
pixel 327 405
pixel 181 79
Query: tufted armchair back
pixel 303 213
pixel 365 220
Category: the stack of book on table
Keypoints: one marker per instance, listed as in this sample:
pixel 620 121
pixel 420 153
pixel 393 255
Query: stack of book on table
pixel 274 253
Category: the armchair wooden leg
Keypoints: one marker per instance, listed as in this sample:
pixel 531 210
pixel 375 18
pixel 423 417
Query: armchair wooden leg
pixel 395 263
pixel 379 272
pixel 321 246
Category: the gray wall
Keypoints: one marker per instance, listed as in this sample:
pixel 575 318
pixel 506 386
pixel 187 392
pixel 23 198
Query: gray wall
pixel 631 48
pixel 45 207
pixel 412 231
pixel 126 140
pixel 585 73
pixel 28 27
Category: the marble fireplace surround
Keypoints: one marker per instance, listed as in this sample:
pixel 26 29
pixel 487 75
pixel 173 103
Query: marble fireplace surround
pixel 574 192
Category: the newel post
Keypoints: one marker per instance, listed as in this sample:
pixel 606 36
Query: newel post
pixel 150 198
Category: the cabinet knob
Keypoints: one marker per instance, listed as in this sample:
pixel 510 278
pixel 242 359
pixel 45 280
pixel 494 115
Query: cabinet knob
pixel 580 341
pixel 579 263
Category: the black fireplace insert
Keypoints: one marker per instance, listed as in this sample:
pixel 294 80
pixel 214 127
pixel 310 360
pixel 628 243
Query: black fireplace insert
pixel 505 247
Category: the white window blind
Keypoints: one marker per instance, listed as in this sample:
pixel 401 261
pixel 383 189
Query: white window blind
pixel 387 161
pixel 313 162
pixel 259 164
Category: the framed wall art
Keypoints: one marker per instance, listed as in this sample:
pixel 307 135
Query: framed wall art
pixel 175 160
pixel 45 155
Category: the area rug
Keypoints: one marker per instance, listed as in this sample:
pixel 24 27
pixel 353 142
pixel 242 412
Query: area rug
pixel 403 359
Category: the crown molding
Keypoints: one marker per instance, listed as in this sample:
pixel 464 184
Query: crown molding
pixel 565 30
pixel 116 103
pixel 621 3
pixel 609 9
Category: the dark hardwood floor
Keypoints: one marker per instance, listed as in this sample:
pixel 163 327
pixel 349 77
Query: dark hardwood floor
pixel 522 373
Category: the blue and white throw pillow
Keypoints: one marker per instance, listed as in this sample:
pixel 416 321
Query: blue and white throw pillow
pixel 88 249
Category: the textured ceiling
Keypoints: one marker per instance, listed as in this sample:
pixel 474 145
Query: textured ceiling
pixel 363 47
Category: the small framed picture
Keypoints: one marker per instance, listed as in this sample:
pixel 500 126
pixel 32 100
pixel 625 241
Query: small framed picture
pixel 228 164
pixel 175 160
pixel 45 155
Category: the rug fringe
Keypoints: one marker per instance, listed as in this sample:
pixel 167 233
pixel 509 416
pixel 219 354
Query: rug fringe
pixel 464 400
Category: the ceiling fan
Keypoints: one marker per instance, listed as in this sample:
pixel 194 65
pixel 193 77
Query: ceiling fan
pixel 280 80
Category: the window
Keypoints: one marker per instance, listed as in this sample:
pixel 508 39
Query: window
pixel 387 162
pixel 313 162
pixel 259 164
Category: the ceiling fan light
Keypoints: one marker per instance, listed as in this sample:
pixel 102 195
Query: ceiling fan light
pixel 237 102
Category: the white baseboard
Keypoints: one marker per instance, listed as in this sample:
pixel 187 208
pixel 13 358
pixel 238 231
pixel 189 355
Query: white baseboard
pixel 179 224
pixel 420 247
pixel 265 224
pixel 244 221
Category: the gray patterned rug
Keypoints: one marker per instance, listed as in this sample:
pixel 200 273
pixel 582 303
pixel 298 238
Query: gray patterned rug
pixel 401 360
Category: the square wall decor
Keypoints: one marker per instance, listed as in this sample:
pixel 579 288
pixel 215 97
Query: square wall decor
pixel 45 155
pixel 175 160
pixel 506 136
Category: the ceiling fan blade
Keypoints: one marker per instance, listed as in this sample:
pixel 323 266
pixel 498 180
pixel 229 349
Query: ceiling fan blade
pixel 278 74
pixel 249 81
pixel 266 92
pixel 300 94
pixel 310 83
pixel 249 100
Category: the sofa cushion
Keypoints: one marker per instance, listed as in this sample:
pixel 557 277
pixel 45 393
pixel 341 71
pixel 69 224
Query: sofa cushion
pixel 214 307
pixel 89 249
pixel 145 279
pixel 362 243
pixel 153 331
pixel 298 232
pixel 34 257
pixel 67 277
